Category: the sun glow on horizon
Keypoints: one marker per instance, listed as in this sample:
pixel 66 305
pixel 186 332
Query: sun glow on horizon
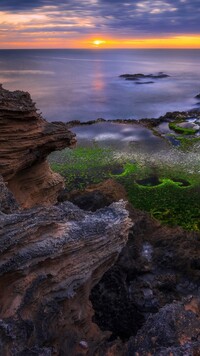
pixel 183 41
pixel 99 25
pixel 97 43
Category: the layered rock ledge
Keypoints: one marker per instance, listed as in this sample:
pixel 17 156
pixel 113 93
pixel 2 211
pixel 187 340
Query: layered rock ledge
pixel 51 256
pixel 26 139
pixel 50 259
pixel 64 290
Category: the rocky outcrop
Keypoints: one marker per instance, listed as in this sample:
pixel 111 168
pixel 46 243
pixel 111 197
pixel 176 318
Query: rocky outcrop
pixel 96 196
pixel 26 139
pixel 50 259
pixel 159 265
pixel 71 284
pixel 51 256
pixel 174 330
pixel 139 76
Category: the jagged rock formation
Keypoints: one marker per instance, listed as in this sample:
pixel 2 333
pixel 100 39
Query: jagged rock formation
pixel 50 255
pixel 26 139
pixel 158 265
pixel 174 330
pixel 50 259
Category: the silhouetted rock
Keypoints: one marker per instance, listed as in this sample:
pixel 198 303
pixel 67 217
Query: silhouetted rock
pixel 138 76
pixel 149 82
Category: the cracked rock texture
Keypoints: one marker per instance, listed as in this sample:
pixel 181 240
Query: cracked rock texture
pixel 26 140
pixel 138 299
pixel 50 258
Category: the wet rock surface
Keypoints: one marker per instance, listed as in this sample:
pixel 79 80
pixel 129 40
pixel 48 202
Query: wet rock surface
pixel 150 181
pixel 152 123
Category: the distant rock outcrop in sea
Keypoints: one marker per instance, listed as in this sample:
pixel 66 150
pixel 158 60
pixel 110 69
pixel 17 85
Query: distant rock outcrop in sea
pixel 136 77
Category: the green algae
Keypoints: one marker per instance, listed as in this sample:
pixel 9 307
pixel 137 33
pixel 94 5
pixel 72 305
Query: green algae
pixel 182 130
pixel 168 202
pixel 83 165
pixel 187 143
pixel 128 168
pixel 174 201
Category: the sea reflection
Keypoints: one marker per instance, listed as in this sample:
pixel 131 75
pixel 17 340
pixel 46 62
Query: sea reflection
pixel 85 85
pixel 118 136
pixel 98 81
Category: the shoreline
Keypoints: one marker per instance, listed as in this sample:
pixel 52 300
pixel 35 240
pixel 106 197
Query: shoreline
pixel 85 272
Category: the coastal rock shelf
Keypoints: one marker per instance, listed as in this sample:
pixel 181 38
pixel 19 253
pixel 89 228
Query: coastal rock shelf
pixel 26 139
pixel 108 280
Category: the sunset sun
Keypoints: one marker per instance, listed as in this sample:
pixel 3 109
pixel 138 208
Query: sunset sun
pixel 98 43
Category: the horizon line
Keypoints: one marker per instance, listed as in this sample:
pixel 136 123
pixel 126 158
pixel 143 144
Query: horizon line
pixel 100 48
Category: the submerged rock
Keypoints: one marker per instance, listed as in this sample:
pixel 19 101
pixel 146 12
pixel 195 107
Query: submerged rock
pixel 149 182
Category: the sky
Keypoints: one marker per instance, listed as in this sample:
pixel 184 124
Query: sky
pixel 99 24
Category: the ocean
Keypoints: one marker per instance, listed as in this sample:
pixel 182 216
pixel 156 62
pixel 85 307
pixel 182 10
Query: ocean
pixel 85 84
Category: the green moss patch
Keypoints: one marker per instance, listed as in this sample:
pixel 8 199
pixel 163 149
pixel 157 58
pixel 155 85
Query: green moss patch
pixel 83 165
pixel 170 202
pixel 175 126
pixel 169 189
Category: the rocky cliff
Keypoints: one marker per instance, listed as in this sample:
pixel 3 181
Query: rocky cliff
pixel 26 139
pixel 64 290
pixel 50 255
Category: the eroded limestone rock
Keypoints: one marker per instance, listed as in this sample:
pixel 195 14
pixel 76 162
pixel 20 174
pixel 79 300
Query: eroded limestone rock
pixel 50 258
pixel 26 139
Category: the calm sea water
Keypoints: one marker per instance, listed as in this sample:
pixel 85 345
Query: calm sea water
pixel 85 84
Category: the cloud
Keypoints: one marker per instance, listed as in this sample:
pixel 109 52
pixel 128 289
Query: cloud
pixel 15 5
pixel 115 18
